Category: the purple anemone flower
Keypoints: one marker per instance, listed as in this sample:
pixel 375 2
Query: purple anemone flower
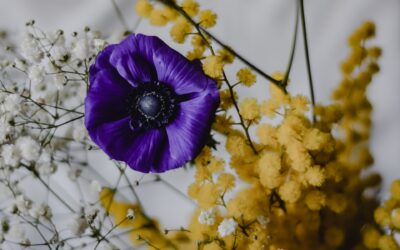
pixel 148 105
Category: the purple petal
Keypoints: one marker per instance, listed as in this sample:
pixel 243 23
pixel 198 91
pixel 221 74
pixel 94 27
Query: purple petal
pixel 106 98
pixel 138 150
pixel 183 75
pixel 102 60
pixel 190 130
pixel 143 153
pixel 133 58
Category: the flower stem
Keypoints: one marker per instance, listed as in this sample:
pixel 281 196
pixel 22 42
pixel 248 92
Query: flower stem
pixel 293 47
pixel 119 15
pixel 303 24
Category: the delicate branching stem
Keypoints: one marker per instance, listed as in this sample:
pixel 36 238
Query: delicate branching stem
pixel 172 187
pixel 109 231
pixel 242 123
pixel 303 25
pixel 49 188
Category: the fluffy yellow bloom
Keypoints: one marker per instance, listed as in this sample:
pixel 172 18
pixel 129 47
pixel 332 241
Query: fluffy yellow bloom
pixel 222 124
pixel 226 181
pixel 334 237
pixel 207 18
pixel 191 7
pixel 337 203
pixel 143 8
pixel 249 109
pixel 204 158
pixel 213 66
pixel 157 17
pixel 314 139
pixel 276 92
pixel 196 53
pixel 180 29
pixel 299 156
pixel 374 52
pixel 226 99
pixel 329 114
pixel 266 133
pixel 200 43
pixel 269 166
pixel 248 204
pixel 269 107
pixel 246 77
pixel 370 237
pixel 292 129
pixel 216 165
pixel 208 195
pixel 315 200
pixel 290 191
pixel 225 56
pixel 170 13
pixel 315 176
pixel 237 146
pixel 395 189
pixel 300 104
pixel 395 218
pixel 387 242
pixel 382 216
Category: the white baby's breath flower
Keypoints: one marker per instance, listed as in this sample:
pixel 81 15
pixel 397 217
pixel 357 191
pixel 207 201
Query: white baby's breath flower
pixel 36 74
pixel 45 166
pixel 59 80
pixel 40 210
pixel 30 48
pixel 78 225
pixel 81 49
pixel 263 221
pixel 60 53
pixel 12 104
pixel 130 214
pixel 79 133
pixel 23 204
pixel 12 208
pixel 91 213
pixel 10 155
pixel 207 217
pixel 25 242
pixel 28 148
pixel 20 64
pixel 5 129
pixel 99 44
pixel 227 227
pixel 48 65
pixel 74 173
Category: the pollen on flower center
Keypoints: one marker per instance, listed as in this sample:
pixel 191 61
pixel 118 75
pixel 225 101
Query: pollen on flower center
pixel 152 105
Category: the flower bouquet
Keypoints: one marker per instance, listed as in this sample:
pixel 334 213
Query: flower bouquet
pixel 92 126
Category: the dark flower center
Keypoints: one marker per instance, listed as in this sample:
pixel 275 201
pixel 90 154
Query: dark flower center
pixel 152 105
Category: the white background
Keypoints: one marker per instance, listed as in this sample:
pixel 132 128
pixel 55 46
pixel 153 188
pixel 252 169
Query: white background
pixel 261 30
